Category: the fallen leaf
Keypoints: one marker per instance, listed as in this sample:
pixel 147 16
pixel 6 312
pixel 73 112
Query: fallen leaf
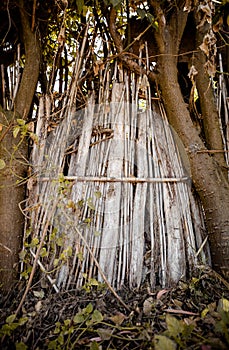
pixel 105 334
pixel 118 318
pixel 38 306
pixel 39 294
pixel 147 306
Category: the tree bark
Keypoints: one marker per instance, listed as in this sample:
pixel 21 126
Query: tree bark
pixel 14 151
pixel 207 176
pixel 208 106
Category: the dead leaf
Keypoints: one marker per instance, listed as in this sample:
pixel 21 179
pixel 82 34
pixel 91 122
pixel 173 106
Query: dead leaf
pixel 98 65
pixel 192 73
pixel 188 6
pixel 38 306
pixel 210 68
pixel 39 294
pixel 30 126
pixel 206 14
pixel 30 183
pixel 204 48
pixel 147 306
pixel 118 318
pixel 105 334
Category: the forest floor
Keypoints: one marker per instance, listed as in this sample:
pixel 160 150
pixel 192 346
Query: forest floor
pixel 192 315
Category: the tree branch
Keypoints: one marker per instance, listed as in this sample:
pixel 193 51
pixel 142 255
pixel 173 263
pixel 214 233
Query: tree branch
pixel 130 64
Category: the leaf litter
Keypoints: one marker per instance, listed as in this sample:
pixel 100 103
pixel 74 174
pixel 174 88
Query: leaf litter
pixel 193 314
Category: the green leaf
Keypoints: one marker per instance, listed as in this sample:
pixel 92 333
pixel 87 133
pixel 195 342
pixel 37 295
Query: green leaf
pixel 43 252
pixel 80 203
pixel 150 18
pixel 97 316
pixel 21 122
pixel 85 10
pixel 80 5
pixel 5 330
pixel 93 282
pixel 223 305
pixel 97 233
pixel 52 345
pixel 16 131
pixel 175 327
pixel 59 241
pixel 222 327
pixel 90 204
pixel 67 322
pixel 22 255
pixel 94 346
pixel 2 164
pixel 21 346
pixel 34 242
pixel 141 13
pixel 68 251
pixel 60 338
pixel 163 343
pixel 10 319
pixel 80 256
pixel 88 309
pixel 56 262
pixel 22 321
pixel 79 318
pixel 204 312
pixel 115 3
pixel 98 194
pixel 56 330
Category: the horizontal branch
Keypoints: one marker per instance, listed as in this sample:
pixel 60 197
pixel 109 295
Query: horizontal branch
pixel 119 179
pixel 212 151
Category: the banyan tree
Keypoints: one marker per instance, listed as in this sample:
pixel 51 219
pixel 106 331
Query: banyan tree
pixel 114 142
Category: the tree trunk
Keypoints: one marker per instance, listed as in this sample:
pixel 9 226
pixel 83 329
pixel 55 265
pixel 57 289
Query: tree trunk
pixel 14 152
pixel 208 106
pixel 207 176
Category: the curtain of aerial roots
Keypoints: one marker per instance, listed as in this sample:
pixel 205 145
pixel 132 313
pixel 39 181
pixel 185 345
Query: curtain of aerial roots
pixel 131 210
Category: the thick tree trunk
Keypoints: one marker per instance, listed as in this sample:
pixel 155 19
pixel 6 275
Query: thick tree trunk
pixel 208 106
pixel 11 194
pixel 207 176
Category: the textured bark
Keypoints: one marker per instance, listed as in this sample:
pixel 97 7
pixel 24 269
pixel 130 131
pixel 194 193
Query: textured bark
pixel 209 111
pixel 207 176
pixel 11 194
